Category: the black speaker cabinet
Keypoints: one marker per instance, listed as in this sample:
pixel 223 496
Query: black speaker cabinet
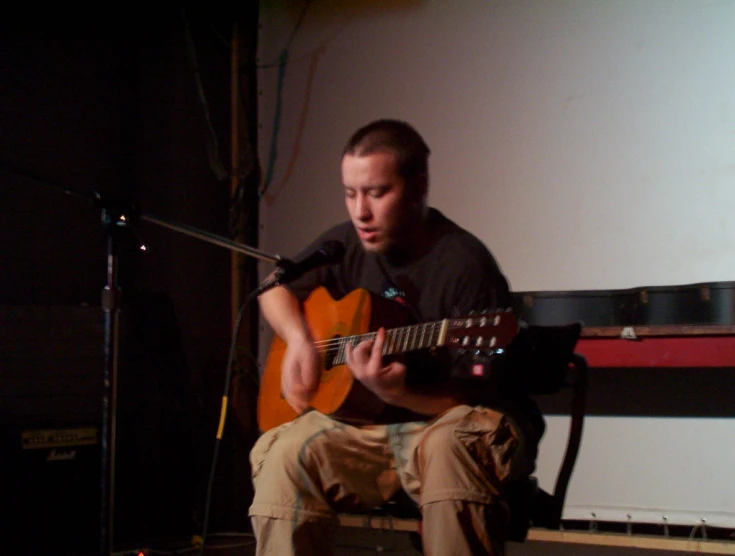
pixel 52 495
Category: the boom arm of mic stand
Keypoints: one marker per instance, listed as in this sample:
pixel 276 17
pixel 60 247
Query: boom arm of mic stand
pixel 213 238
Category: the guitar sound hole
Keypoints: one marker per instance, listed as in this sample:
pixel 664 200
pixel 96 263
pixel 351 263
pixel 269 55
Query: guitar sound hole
pixel 331 353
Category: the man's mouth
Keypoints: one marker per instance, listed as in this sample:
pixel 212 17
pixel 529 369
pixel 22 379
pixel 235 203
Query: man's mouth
pixel 367 234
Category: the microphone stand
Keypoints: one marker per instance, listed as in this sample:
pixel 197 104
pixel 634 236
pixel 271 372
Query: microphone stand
pixel 114 220
pixel 116 217
pixel 111 306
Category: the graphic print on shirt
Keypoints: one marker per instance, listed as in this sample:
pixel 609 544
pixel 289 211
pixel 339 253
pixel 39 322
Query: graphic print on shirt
pixel 390 291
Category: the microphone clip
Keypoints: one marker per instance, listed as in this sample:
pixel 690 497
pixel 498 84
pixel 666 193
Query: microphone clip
pixel 287 271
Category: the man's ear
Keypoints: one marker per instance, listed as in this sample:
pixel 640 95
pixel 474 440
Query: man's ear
pixel 420 188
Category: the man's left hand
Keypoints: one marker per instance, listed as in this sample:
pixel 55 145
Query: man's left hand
pixel 388 382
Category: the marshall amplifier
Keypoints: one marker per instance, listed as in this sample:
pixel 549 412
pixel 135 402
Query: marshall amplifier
pixel 52 494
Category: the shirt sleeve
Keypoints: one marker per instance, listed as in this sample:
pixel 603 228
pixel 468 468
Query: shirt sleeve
pixel 480 286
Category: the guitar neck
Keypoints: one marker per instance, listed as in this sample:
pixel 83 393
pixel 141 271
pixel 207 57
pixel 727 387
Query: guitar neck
pixel 398 340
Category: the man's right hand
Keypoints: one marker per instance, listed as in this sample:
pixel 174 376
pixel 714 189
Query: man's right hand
pixel 300 373
pixel 300 368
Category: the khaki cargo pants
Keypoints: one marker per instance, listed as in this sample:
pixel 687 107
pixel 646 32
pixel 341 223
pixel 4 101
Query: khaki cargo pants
pixel 307 471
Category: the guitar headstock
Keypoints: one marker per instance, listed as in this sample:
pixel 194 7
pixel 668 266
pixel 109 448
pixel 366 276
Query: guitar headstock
pixel 488 331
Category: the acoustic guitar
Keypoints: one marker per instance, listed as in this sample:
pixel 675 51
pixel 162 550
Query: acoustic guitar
pixel 353 319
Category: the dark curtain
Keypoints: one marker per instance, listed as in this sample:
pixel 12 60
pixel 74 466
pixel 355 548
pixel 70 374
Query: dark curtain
pixel 133 107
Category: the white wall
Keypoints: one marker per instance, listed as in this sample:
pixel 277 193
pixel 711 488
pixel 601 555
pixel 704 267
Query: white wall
pixel 646 468
pixel 589 143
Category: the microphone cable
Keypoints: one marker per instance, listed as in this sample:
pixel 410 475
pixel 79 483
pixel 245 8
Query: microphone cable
pixel 202 540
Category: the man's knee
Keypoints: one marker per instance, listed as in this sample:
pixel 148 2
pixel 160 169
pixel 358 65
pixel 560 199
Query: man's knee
pixel 286 457
pixel 477 442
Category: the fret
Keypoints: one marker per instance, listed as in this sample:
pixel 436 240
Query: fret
pixel 442 332
pixel 390 343
pixel 411 343
pixel 427 342
pixel 339 359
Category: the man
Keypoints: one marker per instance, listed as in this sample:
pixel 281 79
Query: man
pixel 442 437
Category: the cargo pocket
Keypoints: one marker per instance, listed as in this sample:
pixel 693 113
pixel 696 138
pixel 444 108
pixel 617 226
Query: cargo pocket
pixel 262 446
pixel 491 440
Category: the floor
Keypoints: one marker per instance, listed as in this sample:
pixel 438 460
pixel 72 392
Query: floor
pixel 351 541
pixel 361 542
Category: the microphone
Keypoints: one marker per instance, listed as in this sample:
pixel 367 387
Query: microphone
pixel 330 252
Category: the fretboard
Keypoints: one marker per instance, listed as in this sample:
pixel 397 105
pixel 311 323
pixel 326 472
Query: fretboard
pixel 399 340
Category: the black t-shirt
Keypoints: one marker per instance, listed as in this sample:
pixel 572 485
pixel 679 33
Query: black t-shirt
pixel 454 276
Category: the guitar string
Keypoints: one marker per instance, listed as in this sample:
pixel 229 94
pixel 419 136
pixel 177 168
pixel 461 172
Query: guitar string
pixel 338 341
pixel 371 335
pixel 336 344
pixel 394 332
pixel 394 337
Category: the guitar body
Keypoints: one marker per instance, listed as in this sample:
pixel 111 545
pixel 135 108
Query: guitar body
pixel 339 394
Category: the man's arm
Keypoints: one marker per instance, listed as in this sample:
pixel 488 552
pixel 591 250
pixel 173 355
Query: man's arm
pixel 283 312
pixel 300 367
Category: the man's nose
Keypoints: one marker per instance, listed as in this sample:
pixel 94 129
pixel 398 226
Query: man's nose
pixel 362 208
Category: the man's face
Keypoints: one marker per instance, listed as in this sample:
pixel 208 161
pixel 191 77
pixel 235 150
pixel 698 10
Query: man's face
pixel 376 199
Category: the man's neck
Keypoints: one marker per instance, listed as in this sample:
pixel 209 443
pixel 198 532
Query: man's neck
pixel 416 243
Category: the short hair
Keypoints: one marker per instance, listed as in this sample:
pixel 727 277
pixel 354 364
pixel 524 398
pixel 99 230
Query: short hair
pixel 394 136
